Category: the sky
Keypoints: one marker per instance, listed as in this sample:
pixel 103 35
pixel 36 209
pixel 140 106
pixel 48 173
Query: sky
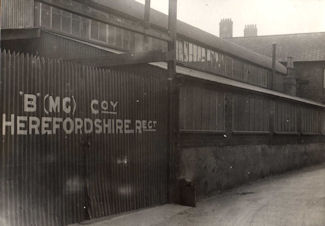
pixel 270 16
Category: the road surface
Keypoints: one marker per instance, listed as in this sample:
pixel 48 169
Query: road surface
pixel 293 199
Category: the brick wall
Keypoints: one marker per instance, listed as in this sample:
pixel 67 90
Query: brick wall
pixel 213 169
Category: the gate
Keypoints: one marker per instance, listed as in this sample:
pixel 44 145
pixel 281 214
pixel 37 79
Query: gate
pixel 79 142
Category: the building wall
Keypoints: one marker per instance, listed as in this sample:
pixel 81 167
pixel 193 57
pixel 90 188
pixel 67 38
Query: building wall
pixel 214 169
pixel 229 137
pixel 313 74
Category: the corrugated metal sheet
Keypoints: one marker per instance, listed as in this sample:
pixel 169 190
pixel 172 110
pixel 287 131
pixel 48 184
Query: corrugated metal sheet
pixel 17 13
pixel 58 175
pixel 56 46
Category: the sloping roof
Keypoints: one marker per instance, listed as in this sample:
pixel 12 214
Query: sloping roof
pixel 302 47
pixel 136 10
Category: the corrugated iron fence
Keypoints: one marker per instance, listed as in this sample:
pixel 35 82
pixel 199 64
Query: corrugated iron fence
pixel 17 13
pixel 78 142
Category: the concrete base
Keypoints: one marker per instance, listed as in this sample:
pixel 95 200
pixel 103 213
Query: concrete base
pixel 213 169
pixel 144 217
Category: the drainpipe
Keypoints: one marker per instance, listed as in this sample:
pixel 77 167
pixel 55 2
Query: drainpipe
pixel 273 66
pixel 290 82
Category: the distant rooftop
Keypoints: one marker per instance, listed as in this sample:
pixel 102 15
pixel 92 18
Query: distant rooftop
pixel 302 46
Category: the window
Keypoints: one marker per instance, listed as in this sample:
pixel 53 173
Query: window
pixel 199 53
pixel 76 21
pixel 204 58
pixel 85 28
pixel 139 39
pixel 195 53
pixel 66 22
pixel 132 41
pixel 46 16
pixel 209 56
pixel 285 118
pixel 56 19
pixel 324 79
pixel 112 35
pixel 181 51
pixel 125 39
pixel 186 51
pixel 177 50
pixel 37 11
pixel 102 32
pixel 190 55
pixel 250 113
pixel 118 37
pixel 94 30
pixel 309 121
pixel 201 109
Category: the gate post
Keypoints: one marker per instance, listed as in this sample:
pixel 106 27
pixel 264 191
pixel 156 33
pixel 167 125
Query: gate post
pixel 172 103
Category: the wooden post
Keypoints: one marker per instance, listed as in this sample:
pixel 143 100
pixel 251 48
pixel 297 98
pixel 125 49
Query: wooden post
pixel 147 9
pixel 273 65
pixel 172 103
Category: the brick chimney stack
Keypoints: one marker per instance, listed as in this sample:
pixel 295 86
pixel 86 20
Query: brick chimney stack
pixel 250 30
pixel 226 28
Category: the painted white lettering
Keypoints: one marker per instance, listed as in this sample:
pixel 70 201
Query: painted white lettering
pixel 98 126
pixel 107 126
pixel 10 124
pixel 68 126
pixel 119 126
pixel 150 124
pixel 104 105
pixel 78 125
pixel 88 126
pixel 66 105
pixel 114 105
pixel 21 125
pixel 34 124
pixel 92 106
pixel 113 125
pixel 45 125
pixel 29 103
pixel 144 124
pixel 56 124
pixel 54 104
pixel 127 129
pixel 138 126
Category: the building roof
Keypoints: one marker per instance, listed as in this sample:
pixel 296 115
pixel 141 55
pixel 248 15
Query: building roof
pixel 302 47
pixel 136 10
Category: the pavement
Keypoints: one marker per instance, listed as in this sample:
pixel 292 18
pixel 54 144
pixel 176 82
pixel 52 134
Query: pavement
pixel 292 199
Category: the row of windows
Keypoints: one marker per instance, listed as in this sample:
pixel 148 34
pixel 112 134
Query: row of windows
pixel 187 53
pixel 203 109
pixel 89 29
pixel 216 62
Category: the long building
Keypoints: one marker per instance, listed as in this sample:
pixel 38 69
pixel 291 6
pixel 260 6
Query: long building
pixel 86 135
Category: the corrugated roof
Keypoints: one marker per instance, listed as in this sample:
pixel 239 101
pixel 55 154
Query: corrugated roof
pixel 136 10
pixel 302 47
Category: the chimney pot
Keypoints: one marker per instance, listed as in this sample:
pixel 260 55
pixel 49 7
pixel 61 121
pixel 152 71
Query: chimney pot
pixel 250 30
pixel 226 28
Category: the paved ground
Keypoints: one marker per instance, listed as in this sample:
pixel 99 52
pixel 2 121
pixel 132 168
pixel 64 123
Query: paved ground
pixel 293 199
